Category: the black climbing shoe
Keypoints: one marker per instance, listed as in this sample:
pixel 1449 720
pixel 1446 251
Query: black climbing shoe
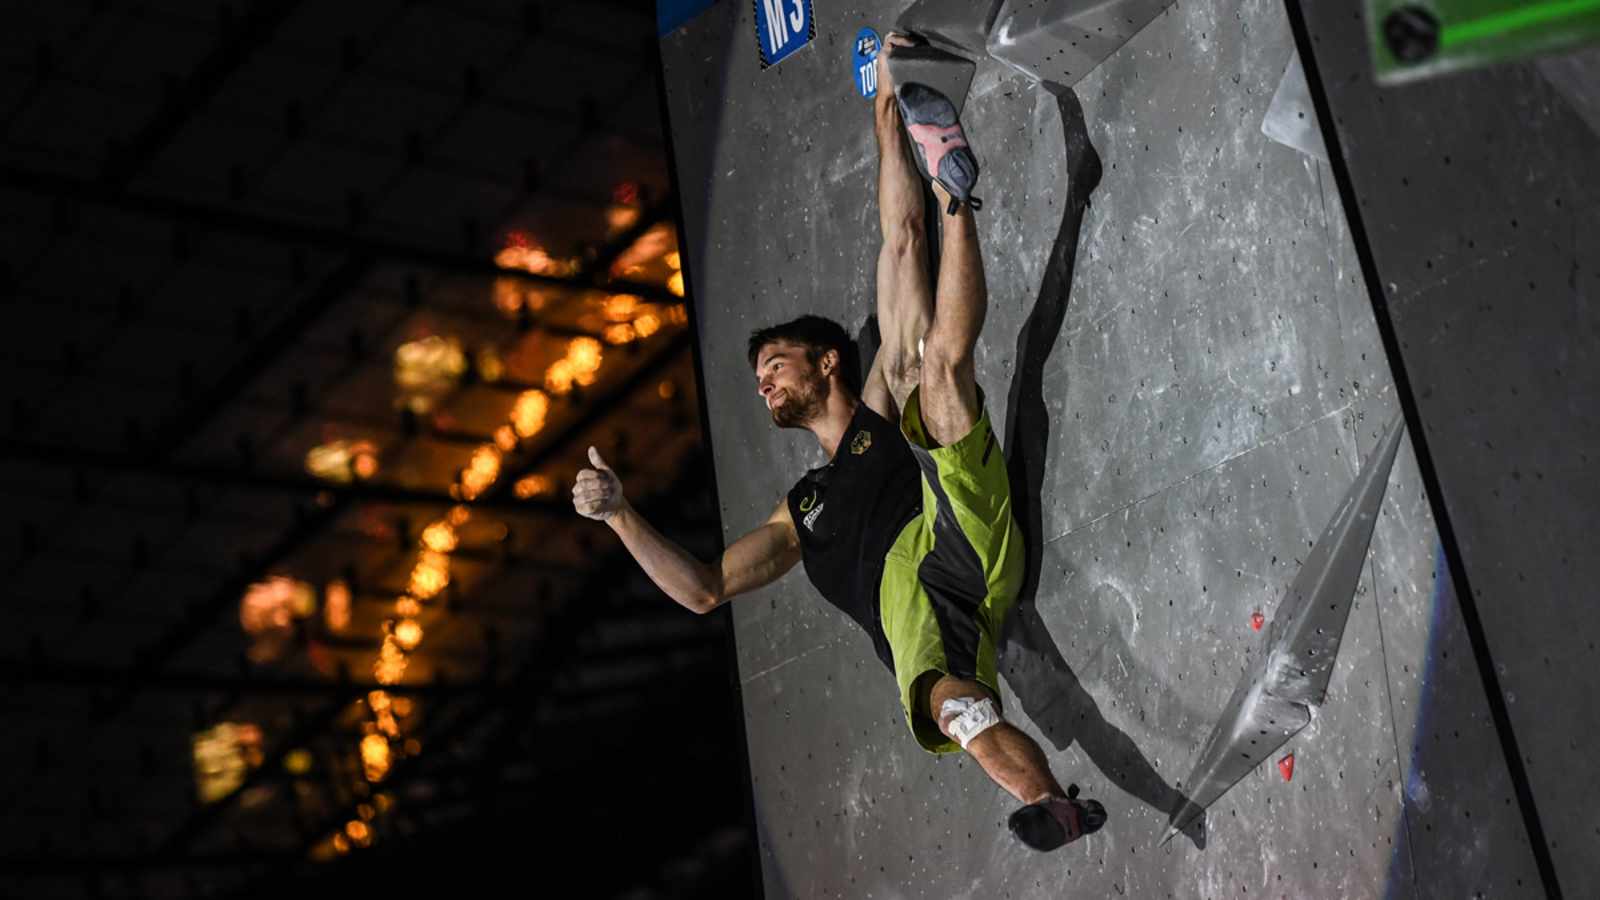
pixel 1057 821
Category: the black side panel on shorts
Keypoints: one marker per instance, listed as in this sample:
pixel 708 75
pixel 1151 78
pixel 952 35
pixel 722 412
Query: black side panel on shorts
pixel 953 576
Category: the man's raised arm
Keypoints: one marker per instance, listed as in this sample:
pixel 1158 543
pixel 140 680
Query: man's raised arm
pixel 757 559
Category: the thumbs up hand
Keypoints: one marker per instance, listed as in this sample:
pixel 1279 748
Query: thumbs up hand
pixel 597 493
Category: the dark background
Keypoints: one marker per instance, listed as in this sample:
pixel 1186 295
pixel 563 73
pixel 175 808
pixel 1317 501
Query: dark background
pixel 222 222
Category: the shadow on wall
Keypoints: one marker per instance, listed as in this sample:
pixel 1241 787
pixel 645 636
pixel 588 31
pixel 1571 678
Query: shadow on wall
pixel 1033 666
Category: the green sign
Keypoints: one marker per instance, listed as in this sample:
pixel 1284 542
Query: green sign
pixel 1414 38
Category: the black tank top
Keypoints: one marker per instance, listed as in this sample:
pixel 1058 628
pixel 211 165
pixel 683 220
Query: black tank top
pixel 849 512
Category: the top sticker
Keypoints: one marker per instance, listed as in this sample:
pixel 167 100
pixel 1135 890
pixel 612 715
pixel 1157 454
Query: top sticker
pixel 864 61
pixel 782 27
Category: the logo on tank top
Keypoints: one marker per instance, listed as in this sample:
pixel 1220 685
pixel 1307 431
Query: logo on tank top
pixel 860 443
pixel 812 515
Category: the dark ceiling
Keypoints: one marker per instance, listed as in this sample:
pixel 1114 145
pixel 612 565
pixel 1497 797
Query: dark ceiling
pixel 314 309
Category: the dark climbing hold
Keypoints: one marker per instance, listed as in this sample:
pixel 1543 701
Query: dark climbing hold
pixel 1412 34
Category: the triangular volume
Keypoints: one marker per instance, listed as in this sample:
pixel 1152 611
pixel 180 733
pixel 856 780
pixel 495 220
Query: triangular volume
pixel 961 26
pixel 1061 43
pixel 1272 699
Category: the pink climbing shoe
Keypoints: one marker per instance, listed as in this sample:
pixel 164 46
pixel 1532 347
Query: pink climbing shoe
pixel 941 146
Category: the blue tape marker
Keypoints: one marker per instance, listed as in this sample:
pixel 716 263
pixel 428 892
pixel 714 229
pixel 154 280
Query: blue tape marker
pixel 864 61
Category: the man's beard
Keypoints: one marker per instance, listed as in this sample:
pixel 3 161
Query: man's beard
pixel 803 404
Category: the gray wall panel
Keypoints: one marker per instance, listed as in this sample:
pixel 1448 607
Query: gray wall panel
pixel 1482 212
pixel 1214 383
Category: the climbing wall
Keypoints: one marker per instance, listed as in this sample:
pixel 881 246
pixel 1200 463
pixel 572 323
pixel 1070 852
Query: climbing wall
pixel 1183 360
pixel 1482 220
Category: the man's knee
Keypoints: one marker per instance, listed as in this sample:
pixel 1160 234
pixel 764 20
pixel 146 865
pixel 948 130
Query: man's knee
pixel 946 360
pixel 906 237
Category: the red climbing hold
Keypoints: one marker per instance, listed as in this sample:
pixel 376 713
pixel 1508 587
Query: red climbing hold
pixel 1257 620
pixel 1286 766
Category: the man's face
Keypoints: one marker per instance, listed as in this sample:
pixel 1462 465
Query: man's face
pixel 794 390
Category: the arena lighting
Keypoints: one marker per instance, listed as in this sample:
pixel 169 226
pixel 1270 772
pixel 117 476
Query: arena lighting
pixel 425 370
pixel 343 461
pixel 336 605
pixel 528 412
pixel 534 485
pixel 223 755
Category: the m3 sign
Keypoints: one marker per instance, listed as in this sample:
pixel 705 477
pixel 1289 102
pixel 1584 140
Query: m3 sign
pixel 782 27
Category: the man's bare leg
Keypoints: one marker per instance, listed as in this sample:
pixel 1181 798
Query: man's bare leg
pixel 1007 754
pixel 905 295
pixel 949 397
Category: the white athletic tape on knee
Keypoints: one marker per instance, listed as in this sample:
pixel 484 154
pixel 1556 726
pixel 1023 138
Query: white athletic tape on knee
pixel 972 718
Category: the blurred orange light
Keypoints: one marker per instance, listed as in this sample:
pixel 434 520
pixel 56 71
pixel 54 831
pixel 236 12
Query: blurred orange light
pixel 336 605
pixel 378 700
pixel 223 755
pixel 387 725
pixel 507 296
pixel 481 471
pixel 439 537
pixel 675 284
pixel 535 259
pixel 647 325
pixel 425 369
pixel 390 666
pixel 534 486
pixel 267 612
pixel 298 761
pixel 505 437
pixel 430 575
pixel 620 307
pixel 491 367
pixel 375 756
pixel 666 390
pixel 619 218
pixel 407 607
pixel 585 353
pixel 559 377
pixel 620 334
pixel 528 413
pixel 341 844
pixel 408 634
pixel 343 461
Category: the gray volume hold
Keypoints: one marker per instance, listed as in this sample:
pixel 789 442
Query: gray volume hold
pixel 1272 700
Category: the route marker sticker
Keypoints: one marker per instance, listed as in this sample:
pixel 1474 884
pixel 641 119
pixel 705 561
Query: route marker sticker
pixel 782 27
pixel 864 61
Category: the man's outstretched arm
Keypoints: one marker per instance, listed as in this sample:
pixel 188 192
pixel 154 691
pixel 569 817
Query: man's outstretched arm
pixel 755 560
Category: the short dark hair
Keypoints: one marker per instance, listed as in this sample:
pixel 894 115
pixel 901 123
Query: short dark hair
pixel 818 335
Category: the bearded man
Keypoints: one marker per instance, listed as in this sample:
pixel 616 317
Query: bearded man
pixel 908 527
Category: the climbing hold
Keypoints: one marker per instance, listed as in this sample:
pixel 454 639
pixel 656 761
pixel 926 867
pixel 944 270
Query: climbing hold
pixel 1257 620
pixel 1286 767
